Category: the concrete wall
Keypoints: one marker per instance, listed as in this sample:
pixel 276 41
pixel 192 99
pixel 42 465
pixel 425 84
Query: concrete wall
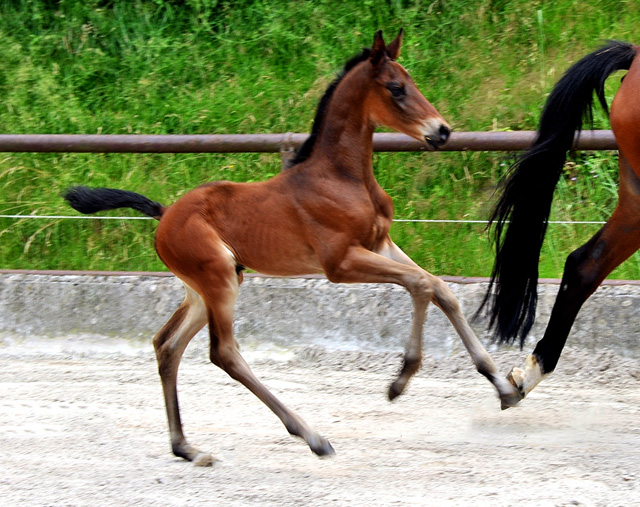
pixel 282 311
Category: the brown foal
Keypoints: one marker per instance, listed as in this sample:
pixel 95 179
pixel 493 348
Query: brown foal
pixel 325 214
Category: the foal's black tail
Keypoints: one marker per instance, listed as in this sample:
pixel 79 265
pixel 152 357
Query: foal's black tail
pixel 521 214
pixel 91 200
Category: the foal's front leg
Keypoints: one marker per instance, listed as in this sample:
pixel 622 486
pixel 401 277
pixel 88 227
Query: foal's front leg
pixel 444 299
pixel 391 265
pixel 413 350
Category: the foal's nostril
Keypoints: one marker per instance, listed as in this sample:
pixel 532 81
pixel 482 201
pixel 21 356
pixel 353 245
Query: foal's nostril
pixel 444 133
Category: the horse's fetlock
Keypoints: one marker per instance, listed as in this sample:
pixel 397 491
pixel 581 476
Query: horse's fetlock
pixel 412 361
pixel 485 367
pixel 182 449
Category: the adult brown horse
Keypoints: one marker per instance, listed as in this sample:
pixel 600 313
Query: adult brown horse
pixel 521 214
pixel 326 213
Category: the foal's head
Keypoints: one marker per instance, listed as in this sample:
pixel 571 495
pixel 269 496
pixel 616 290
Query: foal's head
pixel 395 100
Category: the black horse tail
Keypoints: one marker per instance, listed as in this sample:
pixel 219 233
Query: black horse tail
pixel 91 200
pixel 520 216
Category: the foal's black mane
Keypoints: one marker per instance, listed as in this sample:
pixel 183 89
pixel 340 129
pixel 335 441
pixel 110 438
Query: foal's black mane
pixel 304 152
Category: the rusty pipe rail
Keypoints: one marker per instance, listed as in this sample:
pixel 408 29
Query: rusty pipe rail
pixel 274 143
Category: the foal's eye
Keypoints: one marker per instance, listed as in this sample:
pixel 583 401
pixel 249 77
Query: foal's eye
pixel 396 90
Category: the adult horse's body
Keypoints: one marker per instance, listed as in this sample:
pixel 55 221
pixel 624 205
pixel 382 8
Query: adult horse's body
pixel 326 213
pixel 521 214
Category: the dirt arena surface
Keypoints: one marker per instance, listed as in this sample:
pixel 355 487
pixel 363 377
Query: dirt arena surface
pixel 83 426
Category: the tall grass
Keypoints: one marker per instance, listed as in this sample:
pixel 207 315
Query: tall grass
pixel 209 66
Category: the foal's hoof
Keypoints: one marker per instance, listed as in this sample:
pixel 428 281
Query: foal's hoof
pixel 508 393
pixel 395 390
pixel 397 387
pixel 182 449
pixel 409 367
pixel 203 459
pixel 515 379
pixel 321 446
pixel 510 400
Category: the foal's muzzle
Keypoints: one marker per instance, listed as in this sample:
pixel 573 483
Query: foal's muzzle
pixel 440 138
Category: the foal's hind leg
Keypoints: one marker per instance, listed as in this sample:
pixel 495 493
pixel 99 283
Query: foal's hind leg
pixel 220 295
pixel 169 344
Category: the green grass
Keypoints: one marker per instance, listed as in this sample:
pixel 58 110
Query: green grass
pixel 208 66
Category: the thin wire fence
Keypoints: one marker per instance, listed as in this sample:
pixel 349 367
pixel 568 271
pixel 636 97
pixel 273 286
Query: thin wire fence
pixel 410 220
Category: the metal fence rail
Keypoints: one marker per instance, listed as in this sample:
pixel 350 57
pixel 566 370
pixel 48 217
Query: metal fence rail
pixel 275 143
pixel 286 144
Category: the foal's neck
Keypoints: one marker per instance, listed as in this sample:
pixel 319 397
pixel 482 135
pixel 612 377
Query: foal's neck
pixel 346 137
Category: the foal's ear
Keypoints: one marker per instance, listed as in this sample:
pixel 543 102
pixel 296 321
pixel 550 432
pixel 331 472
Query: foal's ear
pixel 393 49
pixel 378 49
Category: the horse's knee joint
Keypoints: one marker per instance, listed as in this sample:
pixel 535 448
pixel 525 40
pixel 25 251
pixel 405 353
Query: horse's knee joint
pixel 422 288
pixel 215 360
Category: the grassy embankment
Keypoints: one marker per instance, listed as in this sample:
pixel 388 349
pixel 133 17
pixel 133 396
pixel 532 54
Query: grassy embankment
pixel 158 67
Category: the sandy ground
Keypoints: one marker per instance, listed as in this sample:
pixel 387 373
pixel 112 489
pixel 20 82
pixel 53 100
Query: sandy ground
pixel 87 427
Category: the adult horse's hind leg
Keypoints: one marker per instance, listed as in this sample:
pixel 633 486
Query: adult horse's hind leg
pixel 618 239
pixel 169 344
pixel 584 271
